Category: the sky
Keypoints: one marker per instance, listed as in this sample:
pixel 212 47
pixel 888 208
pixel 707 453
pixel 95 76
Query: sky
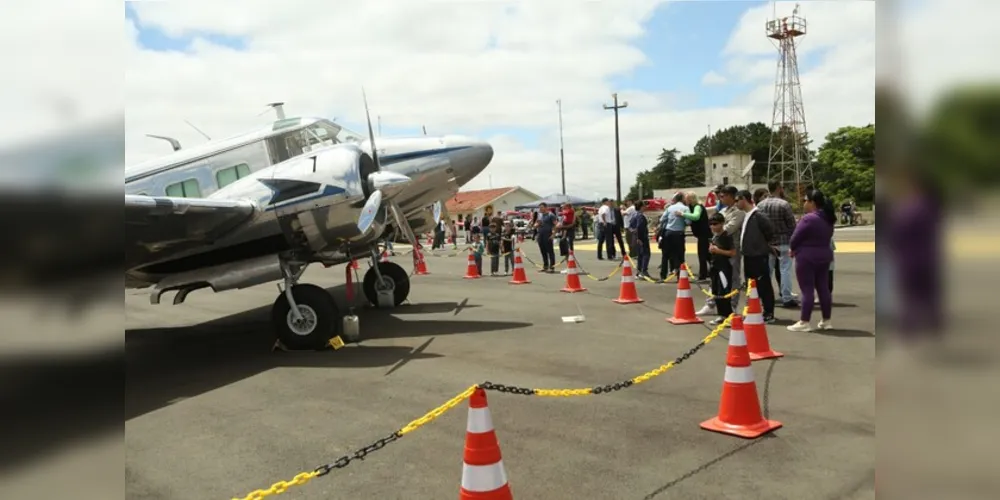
pixel 494 70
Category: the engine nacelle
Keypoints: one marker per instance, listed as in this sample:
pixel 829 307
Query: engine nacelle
pixel 322 196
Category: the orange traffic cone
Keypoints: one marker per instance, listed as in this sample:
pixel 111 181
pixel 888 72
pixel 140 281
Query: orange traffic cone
pixel 418 256
pixel 757 342
pixel 385 256
pixel 520 278
pixel 627 293
pixel 739 409
pixel 471 272
pixel 483 475
pixel 684 303
pixel 572 275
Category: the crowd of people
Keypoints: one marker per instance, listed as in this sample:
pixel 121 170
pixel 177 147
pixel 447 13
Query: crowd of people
pixel 755 236
pixel 749 236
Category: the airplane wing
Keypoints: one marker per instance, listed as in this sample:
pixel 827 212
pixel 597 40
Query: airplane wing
pixel 158 224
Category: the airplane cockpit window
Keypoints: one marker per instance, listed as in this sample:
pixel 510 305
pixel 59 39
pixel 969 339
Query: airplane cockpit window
pixel 303 140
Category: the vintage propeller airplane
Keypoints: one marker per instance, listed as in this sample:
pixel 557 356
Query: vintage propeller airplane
pixel 262 206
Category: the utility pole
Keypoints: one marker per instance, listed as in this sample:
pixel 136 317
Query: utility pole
pixel 562 152
pixel 618 156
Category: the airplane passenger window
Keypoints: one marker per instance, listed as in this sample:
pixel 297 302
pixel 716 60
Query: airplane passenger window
pixel 230 175
pixel 185 189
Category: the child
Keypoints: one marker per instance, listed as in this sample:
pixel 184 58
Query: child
pixel 721 268
pixel 493 248
pixel 507 246
pixel 477 251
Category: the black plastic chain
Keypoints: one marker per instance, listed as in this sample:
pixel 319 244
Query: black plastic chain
pixel 508 389
pixel 360 454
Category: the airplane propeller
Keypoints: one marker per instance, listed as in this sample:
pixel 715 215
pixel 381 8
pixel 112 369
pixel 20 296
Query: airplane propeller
pixel 437 211
pixel 383 181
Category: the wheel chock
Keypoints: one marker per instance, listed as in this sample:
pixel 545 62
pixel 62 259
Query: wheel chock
pixel 336 342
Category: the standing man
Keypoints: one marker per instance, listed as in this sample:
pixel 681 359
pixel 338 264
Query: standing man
pixel 639 227
pixel 616 214
pixel 605 225
pixel 629 212
pixel 755 244
pixel 782 218
pixel 672 225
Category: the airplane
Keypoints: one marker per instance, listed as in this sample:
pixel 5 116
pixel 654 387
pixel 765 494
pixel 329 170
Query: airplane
pixel 262 206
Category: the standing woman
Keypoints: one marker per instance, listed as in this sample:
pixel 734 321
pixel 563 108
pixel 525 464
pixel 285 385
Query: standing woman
pixel 698 217
pixel 810 247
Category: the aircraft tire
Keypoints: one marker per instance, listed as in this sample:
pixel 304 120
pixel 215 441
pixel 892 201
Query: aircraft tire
pixel 322 318
pixel 400 282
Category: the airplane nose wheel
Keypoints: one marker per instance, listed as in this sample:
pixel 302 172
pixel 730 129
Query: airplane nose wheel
pixel 393 279
pixel 319 320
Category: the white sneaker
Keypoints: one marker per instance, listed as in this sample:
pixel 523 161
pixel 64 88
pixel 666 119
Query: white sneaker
pixel 705 311
pixel 824 325
pixel 800 326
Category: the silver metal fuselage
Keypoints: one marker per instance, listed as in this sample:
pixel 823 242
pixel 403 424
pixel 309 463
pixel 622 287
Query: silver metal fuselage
pixel 438 167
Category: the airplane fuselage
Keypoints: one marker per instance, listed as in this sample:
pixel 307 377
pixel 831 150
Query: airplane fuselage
pixel 243 168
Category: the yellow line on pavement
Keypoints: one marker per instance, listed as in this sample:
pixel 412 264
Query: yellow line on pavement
pixel 692 249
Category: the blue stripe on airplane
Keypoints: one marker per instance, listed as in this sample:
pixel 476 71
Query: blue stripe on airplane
pixel 413 155
pixel 328 190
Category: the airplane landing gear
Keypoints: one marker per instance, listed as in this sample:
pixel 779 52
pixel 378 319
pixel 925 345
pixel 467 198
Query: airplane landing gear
pixel 304 316
pixel 386 277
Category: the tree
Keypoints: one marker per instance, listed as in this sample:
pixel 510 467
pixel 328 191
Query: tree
pixel 661 176
pixel 845 165
pixel 957 145
pixel 690 171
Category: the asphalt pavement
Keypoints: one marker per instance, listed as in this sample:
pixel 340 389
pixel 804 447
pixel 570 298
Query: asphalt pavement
pixel 213 413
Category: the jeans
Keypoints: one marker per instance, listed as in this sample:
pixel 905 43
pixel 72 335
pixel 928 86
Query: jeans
pixel 785 270
pixel 605 238
pixel 508 262
pixel 643 253
pixel 547 250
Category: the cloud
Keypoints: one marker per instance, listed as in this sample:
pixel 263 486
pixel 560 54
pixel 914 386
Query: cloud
pixel 479 68
pixel 713 78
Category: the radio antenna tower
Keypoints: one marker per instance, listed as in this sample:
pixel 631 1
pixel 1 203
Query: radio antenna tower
pixel 788 158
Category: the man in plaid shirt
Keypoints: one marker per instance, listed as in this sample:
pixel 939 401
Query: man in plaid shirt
pixel 779 212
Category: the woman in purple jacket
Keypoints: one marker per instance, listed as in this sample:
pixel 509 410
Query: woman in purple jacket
pixel 810 246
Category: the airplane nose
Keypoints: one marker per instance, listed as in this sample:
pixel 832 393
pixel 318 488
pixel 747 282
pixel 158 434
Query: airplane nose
pixel 473 156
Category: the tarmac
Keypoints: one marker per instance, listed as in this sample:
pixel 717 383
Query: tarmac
pixel 212 412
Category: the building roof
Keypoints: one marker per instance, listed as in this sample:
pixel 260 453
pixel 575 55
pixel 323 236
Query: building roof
pixel 470 201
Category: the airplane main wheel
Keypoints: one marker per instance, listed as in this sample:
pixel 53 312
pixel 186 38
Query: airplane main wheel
pixel 320 318
pixel 394 278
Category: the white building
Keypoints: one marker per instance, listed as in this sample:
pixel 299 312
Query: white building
pixel 726 169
